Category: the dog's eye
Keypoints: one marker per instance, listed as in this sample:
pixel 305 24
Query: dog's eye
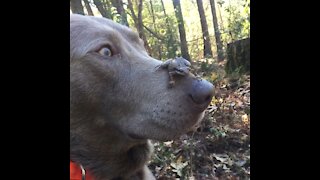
pixel 105 51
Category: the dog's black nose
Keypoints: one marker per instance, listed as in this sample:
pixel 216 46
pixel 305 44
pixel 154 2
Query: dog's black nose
pixel 202 92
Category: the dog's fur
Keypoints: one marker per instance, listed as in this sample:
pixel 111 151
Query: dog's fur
pixel 117 103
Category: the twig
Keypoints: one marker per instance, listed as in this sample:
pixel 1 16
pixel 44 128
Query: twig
pixel 153 33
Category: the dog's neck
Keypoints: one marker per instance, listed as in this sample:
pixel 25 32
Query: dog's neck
pixel 97 156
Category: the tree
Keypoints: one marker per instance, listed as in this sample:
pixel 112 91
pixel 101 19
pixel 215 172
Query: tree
pixel 238 55
pixel 216 31
pixel 133 14
pixel 118 4
pixel 205 33
pixel 182 32
pixel 88 7
pixel 76 7
pixel 103 11
pixel 171 44
pixel 138 23
pixel 155 28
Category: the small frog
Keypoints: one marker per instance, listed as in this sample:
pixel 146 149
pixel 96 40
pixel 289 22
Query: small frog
pixel 177 66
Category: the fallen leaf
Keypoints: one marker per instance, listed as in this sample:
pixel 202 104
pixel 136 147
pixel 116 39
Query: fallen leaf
pixel 168 143
pixel 245 119
pixel 221 157
pixel 240 163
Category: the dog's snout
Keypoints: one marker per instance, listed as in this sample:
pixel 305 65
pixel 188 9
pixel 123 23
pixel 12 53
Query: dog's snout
pixel 202 92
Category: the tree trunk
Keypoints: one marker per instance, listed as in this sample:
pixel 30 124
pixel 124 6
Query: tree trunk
pixel 120 10
pixel 221 20
pixel 138 23
pixel 216 31
pixel 205 33
pixel 238 56
pixel 88 7
pixel 182 32
pixel 155 29
pixel 76 7
pixel 101 9
pixel 133 14
pixel 171 47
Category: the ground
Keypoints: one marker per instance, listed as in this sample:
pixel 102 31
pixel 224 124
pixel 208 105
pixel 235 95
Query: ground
pixel 220 148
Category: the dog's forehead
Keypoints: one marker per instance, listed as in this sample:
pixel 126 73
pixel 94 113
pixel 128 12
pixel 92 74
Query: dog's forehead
pixel 87 33
pixel 102 25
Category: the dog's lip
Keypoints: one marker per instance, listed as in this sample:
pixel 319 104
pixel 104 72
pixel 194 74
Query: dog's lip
pixel 197 107
pixel 136 137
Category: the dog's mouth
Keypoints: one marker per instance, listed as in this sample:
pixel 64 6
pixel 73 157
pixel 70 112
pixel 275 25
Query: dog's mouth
pixel 199 107
pixel 169 127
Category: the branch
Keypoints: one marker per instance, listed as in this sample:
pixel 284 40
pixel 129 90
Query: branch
pixel 133 15
pixel 153 33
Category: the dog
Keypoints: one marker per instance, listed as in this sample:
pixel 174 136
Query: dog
pixel 119 100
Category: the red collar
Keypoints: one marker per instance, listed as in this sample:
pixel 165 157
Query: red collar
pixel 76 172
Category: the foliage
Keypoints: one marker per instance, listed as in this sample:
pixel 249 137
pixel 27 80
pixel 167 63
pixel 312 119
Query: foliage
pixel 238 19
pixel 169 42
pixel 115 15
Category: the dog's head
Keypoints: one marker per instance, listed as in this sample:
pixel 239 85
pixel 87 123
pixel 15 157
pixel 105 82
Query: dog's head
pixel 115 83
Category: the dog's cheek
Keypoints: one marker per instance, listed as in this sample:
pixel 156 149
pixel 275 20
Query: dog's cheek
pixel 100 122
pixel 178 119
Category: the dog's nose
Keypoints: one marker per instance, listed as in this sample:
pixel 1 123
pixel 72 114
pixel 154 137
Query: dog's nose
pixel 202 92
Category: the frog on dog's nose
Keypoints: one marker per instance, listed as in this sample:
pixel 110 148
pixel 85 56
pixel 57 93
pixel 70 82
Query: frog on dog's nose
pixel 177 66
